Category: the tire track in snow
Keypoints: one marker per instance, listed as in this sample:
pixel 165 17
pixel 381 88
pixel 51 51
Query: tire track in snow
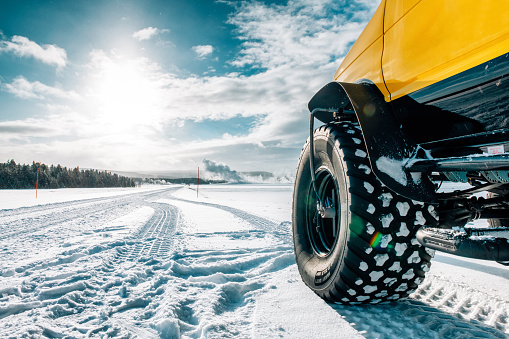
pixel 227 280
pixel 85 274
pixel 260 223
pixel 156 237
pixel 212 293
pixel 439 308
pixel 413 319
pixel 44 226
pixel 22 223
pixel 465 302
pixel 195 288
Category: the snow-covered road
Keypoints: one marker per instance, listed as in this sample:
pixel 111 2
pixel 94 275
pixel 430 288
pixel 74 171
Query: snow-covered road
pixel 160 262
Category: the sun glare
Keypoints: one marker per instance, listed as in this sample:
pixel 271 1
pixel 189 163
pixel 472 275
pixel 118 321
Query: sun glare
pixel 123 95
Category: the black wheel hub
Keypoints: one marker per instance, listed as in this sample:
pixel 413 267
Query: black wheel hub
pixel 323 231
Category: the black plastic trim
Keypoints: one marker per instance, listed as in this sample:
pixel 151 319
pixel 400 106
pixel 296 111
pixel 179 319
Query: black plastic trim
pixel 471 102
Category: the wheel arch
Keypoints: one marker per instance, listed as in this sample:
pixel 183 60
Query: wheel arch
pixel 389 152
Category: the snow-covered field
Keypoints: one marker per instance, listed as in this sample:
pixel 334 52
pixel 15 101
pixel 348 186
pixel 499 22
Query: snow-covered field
pixel 160 262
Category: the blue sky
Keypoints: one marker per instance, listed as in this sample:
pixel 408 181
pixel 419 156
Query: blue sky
pixel 162 85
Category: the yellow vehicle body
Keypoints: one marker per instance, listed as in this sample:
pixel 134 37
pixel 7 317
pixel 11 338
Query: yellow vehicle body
pixel 411 44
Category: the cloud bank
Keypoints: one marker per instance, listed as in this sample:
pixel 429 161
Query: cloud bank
pixel 136 115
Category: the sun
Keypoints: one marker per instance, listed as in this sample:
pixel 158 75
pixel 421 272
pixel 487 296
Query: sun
pixel 123 93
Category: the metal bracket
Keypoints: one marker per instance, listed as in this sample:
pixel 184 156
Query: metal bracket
pixel 496 176
pixel 456 176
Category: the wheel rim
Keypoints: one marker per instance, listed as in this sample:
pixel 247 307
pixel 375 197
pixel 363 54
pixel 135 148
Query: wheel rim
pixel 323 232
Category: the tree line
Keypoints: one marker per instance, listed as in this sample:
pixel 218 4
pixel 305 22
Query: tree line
pixel 17 176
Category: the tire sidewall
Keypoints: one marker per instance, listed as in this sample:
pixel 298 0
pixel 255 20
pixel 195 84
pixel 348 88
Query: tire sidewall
pixel 319 271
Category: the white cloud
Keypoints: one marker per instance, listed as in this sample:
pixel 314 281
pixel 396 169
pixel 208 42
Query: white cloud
pixel 300 33
pixel 25 89
pixel 203 50
pixel 148 33
pixel 23 47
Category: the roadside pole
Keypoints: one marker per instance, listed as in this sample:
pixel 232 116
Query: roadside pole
pixel 198 185
pixel 36 183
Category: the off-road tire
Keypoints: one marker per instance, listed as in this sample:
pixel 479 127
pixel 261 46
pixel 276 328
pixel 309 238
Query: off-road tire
pixel 368 253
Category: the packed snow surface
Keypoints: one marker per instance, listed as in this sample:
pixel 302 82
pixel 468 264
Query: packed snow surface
pixel 160 262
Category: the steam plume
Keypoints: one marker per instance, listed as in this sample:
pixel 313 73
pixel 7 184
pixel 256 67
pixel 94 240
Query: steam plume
pixel 219 171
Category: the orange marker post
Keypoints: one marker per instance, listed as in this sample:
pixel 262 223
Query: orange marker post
pixel 198 185
pixel 36 183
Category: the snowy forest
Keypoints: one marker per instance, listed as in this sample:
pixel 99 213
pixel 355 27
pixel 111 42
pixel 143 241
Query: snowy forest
pixel 17 176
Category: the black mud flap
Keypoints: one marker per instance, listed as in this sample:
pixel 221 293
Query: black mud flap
pixel 389 150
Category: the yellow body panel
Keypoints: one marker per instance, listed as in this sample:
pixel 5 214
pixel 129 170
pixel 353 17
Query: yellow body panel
pixel 397 9
pixel 425 42
pixel 363 61
pixel 437 39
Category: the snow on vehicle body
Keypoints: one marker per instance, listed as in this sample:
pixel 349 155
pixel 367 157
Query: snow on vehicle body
pixel 421 98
